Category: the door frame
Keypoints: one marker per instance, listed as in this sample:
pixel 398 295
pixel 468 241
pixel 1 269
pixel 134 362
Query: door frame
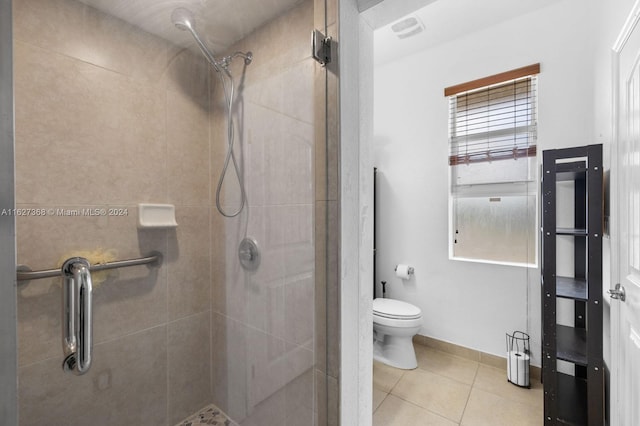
pixel 628 27
pixel 357 20
pixel 8 321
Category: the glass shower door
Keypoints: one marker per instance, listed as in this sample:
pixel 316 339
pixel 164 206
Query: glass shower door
pixel 116 107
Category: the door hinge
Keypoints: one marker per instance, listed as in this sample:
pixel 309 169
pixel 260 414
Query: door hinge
pixel 321 47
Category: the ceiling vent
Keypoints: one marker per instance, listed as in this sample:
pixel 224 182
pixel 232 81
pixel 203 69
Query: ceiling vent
pixel 407 27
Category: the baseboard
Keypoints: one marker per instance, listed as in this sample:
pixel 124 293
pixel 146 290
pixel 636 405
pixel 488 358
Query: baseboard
pixel 471 354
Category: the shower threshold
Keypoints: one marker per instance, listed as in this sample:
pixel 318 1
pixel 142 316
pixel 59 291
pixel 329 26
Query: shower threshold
pixel 209 415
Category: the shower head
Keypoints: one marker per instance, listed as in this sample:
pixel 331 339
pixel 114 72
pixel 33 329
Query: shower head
pixel 183 19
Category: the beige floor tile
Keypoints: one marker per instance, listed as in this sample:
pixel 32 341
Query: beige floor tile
pixel 494 380
pixel 396 412
pixel 385 377
pixel 487 409
pixel 448 365
pixel 439 394
pixel 378 397
pixel 461 351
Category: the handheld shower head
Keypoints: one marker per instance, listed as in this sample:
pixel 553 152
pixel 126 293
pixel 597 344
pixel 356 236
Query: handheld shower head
pixel 183 19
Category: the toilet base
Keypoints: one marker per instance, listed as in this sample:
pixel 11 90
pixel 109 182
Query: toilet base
pixel 395 351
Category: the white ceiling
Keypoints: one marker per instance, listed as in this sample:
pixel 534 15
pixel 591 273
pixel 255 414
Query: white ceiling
pixel 446 20
pixel 219 22
pixel 223 22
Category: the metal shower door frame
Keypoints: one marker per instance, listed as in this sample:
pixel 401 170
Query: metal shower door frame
pixel 8 320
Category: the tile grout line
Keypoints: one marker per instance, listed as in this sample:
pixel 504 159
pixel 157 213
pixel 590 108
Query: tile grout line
pixel 381 402
pixel 477 363
pixel 473 384
pixel 396 383
pixel 509 398
pixel 425 408
pixel 421 408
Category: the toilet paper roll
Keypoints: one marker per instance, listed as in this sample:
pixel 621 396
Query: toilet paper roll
pixel 404 271
pixel 518 368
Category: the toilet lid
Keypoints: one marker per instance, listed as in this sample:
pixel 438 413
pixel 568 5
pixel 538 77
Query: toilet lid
pixel 391 308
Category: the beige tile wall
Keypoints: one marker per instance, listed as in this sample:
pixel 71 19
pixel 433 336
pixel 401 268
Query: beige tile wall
pixel 263 321
pixel 110 116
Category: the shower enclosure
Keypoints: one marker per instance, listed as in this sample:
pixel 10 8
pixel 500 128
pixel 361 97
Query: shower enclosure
pixel 115 107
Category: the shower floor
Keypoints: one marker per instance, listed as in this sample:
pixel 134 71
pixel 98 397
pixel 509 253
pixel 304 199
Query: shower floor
pixel 209 415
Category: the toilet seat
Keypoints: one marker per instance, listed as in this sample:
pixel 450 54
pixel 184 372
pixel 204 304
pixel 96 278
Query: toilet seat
pixel 395 309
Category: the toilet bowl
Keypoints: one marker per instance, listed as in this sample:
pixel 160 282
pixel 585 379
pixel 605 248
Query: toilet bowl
pixel 394 324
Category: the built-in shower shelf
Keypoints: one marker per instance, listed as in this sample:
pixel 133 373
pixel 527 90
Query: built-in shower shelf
pixel 157 216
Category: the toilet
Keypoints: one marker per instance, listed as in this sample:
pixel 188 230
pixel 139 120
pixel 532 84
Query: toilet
pixel 394 324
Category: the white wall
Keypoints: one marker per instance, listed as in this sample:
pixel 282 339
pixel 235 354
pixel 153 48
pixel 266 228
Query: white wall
pixel 355 44
pixel 471 304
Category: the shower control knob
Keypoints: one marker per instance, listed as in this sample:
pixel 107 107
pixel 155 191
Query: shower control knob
pixel 249 254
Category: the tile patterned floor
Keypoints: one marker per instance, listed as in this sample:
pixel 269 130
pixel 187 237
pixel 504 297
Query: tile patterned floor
pixel 448 390
pixel 209 415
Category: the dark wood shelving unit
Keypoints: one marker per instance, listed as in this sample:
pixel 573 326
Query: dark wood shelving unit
pixel 573 399
pixel 572 344
pixel 572 392
pixel 571 231
pixel 571 288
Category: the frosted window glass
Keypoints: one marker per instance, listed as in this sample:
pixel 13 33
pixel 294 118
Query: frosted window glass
pixel 493 165
pixel 500 229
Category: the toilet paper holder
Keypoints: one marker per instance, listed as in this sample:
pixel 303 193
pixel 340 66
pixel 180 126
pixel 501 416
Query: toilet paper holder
pixel 518 359
pixel 410 269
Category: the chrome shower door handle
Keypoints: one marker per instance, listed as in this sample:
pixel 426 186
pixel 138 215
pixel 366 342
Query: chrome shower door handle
pixel 77 326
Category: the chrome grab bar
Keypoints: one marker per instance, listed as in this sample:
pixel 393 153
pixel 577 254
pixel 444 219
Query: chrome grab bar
pixel 25 274
pixel 77 326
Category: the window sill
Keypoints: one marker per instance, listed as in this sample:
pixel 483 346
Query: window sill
pixel 495 262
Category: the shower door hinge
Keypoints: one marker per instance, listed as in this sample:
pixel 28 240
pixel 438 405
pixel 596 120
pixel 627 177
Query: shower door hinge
pixel 321 47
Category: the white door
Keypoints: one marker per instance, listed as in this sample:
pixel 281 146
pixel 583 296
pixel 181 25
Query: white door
pixel 625 315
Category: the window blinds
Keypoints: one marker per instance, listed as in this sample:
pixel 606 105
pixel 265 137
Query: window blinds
pixel 492 123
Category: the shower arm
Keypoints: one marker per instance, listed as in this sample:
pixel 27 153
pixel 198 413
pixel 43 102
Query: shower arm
pixel 223 63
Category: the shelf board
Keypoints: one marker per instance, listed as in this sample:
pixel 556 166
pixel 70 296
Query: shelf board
pixel 571 171
pixel 571 231
pixel 571 288
pixel 572 400
pixel 571 344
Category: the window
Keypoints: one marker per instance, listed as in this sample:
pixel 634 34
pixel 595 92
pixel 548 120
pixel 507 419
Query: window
pixel 492 159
